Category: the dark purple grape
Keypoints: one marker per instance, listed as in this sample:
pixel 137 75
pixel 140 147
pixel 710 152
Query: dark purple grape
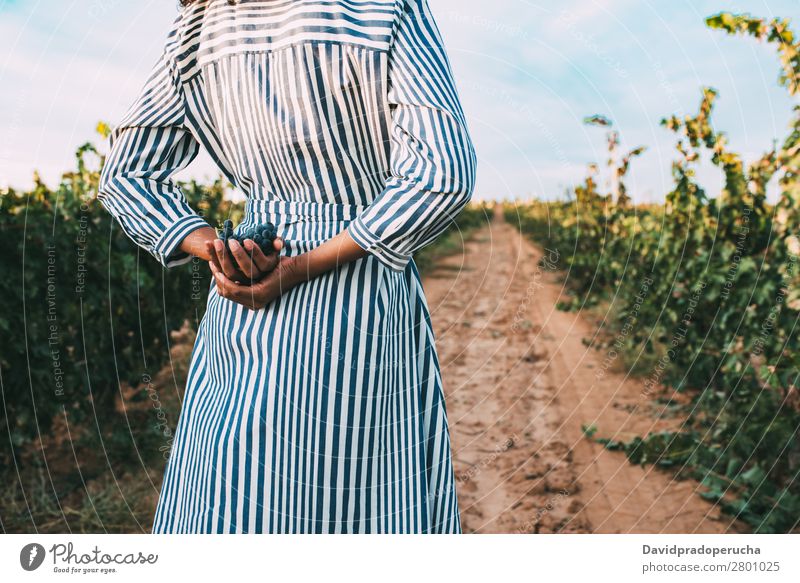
pixel 262 235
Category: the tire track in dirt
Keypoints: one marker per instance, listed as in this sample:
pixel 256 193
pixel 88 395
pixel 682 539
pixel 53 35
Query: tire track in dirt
pixel 520 383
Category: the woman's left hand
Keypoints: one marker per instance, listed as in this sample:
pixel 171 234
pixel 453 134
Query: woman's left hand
pixel 256 296
pixel 242 263
pixel 290 271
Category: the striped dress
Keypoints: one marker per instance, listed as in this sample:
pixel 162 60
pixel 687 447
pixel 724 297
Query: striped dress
pixel 324 411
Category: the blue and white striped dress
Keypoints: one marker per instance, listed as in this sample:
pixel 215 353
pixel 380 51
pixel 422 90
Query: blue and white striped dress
pixel 324 411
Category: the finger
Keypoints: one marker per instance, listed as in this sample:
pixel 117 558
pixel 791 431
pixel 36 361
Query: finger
pixel 231 290
pixel 278 244
pixel 270 261
pixel 214 267
pixel 226 261
pixel 264 263
pixel 219 280
pixel 243 261
pixel 225 283
pixel 227 264
pixel 219 254
pixel 211 246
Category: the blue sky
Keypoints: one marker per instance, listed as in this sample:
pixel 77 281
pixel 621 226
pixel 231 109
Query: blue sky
pixel 528 73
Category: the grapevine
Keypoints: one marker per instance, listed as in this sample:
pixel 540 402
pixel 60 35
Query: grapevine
pixel 700 298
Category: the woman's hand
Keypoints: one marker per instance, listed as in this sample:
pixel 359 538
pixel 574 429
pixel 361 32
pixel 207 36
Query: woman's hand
pixel 242 265
pixel 279 280
pixel 289 272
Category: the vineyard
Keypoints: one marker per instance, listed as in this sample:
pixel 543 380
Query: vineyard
pixel 700 295
pixel 87 324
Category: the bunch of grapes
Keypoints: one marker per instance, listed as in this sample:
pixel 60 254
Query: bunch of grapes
pixel 262 235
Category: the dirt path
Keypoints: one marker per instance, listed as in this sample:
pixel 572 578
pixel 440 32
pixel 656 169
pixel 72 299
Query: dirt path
pixel 520 383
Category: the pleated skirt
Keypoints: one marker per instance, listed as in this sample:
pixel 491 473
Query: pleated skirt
pixel 322 413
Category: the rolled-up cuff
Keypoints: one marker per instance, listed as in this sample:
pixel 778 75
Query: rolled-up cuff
pixel 167 250
pixel 371 243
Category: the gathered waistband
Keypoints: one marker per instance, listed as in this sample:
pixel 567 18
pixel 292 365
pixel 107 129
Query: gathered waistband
pixel 319 211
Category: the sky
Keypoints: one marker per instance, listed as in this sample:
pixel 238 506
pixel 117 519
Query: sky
pixel 527 72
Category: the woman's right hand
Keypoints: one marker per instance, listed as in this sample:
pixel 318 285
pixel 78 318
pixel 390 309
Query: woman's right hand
pixel 245 265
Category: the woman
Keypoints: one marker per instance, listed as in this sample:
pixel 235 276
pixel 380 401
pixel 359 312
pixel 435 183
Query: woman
pixel 314 400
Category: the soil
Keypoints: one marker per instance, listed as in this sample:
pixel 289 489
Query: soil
pixel 521 383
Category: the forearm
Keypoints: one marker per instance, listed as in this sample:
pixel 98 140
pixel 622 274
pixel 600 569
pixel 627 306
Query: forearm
pixel 337 251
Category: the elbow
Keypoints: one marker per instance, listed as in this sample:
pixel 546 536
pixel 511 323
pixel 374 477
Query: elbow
pixel 112 170
pixel 111 183
pixel 459 181
pixel 468 188
pixel 464 166
pixel 462 192
pixel 104 184
pixel 108 177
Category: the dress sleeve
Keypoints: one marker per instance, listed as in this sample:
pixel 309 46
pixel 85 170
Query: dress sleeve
pixel 151 143
pixel 432 159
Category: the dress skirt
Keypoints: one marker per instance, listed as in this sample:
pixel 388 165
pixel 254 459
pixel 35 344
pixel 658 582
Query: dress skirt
pixel 321 413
